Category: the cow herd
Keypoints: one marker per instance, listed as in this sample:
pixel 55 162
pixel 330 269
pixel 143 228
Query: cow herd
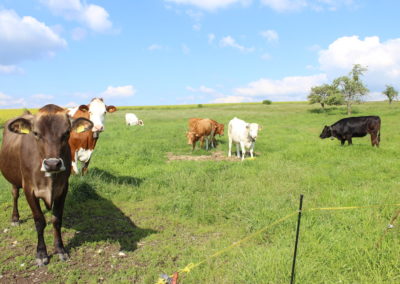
pixel 40 151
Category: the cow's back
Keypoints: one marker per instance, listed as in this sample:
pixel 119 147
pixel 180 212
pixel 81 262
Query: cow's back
pixel 237 130
pixel 204 127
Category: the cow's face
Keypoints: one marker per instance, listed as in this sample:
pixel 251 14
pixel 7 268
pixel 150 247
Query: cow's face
pixel 220 129
pixel 253 130
pixel 51 132
pixel 97 113
pixel 191 137
pixel 326 132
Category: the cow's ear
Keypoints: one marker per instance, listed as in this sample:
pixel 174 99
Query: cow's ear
pixel 111 108
pixel 81 125
pixel 20 126
pixel 83 108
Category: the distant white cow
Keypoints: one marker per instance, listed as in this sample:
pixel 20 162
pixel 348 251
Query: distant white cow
pixel 243 134
pixel 132 119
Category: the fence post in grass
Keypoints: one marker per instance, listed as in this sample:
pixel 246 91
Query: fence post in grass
pixel 297 239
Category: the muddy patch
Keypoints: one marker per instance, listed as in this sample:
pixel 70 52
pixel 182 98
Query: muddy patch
pixel 215 156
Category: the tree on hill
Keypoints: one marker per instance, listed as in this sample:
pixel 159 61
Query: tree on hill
pixel 391 93
pixel 352 88
pixel 325 95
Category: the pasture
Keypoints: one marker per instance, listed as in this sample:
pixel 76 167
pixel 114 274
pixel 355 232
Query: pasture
pixel 165 214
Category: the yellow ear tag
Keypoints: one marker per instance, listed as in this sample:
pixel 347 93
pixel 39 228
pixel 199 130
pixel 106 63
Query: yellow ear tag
pixel 25 130
pixel 80 129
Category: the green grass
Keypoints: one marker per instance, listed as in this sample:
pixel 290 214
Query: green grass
pixel 165 215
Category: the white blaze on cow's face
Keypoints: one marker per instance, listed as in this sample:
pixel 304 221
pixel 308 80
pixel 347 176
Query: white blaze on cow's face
pixel 253 130
pixel 97 112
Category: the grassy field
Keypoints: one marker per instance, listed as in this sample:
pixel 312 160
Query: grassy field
pixel 164 214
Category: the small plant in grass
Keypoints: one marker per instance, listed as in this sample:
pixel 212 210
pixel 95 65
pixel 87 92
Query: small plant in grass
pixel 199 105
pixel 267 102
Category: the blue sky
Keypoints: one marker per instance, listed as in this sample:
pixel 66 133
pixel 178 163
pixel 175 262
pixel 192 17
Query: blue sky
pixel 152 52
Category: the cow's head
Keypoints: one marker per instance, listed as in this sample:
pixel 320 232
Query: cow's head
pixel 220 129
pixel 192 137
pixel 50 128
pixel 140 122
pixel 97 110
pixel 253 130
pixel 326 132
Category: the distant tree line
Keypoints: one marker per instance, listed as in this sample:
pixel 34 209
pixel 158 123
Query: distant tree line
pixel 346 90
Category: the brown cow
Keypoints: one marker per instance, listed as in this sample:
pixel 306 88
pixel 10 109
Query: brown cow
pixel 219 128
pixel 200 129
pixel 35 156
pixel 83 144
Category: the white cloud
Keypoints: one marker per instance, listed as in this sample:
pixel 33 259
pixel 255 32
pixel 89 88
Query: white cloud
pixel 121 91
pixel 381 58
pixel 288 88
pixel 210 4
pixel 185 49
pixel 316 5
pixel 231 42
pixel 270 35
pixel 10 69
pixel 8 101
pixel 42 97
pixel 78 34
pixel 196 27
pixel 232 99
pixel 26 38
pixel 266 56
pixel 211 38
pixel 93 16
pixel 285 5
pixel 155 47
pixel 201 89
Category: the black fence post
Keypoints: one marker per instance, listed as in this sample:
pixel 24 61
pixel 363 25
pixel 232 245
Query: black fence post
pixel 297 240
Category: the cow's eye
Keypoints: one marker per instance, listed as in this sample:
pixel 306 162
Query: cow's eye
pixel 36 134
pixel 65 136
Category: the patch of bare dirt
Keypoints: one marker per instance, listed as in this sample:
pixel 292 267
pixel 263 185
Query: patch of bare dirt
pixel 215 156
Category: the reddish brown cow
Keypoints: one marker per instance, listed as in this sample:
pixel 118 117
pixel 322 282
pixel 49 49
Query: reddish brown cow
pixel 199 130
pixel 83 144
pixel 219 128
pixel 35 156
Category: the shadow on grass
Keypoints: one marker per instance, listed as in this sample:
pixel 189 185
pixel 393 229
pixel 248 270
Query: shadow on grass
pixel 107 177
pixel 332 111
pixel 98 219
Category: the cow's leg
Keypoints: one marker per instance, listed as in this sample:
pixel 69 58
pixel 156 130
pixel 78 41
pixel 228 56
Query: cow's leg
pixel 207 143
pixel 74 163
pixel 349 140
pixel 243 150
pixel 58 208
pixel 238 150
pixel 251 150
pixel 230 147
pixel 85 167
pixel 342 141
pixel 15 213
pixel 40 223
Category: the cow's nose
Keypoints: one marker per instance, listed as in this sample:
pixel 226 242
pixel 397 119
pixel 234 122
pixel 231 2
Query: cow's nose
pixel 98 128
pixel 52 164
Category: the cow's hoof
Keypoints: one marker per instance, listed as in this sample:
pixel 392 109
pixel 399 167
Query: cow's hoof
pixel 42 261
pixel 15 223
pixel 63 256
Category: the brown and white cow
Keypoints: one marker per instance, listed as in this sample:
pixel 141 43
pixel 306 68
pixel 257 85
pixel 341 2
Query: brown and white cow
pixel 35 156
pixel 200 129
pixel 219 128
pixel 83 144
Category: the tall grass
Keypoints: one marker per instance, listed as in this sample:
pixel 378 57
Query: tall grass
pixel 164 215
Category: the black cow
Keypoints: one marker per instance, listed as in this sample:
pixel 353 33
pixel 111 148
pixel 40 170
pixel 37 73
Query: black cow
pixel 347 128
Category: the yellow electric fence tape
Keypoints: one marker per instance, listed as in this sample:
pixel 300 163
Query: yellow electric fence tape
pixel 190 266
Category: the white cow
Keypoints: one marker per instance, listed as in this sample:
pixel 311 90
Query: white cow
pixel 132 119
pixel 243 134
